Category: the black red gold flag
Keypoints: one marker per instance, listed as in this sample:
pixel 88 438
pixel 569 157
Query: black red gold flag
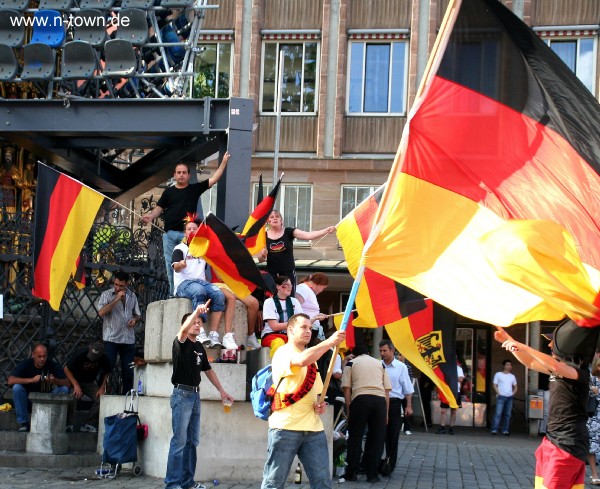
pixel 427 339
pixel 380 300
pixel 65 210
pixel 254 233
pixel 78 273
pixel 226 254
pixel 491 207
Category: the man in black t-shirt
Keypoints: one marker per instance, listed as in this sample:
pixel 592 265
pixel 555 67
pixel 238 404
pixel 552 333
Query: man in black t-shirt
pixel 36 374
pixel 560 459
pixel 189 359
pixel 177 202
pixel 82 370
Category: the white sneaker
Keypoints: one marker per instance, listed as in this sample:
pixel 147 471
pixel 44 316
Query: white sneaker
pixel 407 432
pixel 252 342
pixel 202 338
pixel 88 428
pixel 215 341
pixel 229 342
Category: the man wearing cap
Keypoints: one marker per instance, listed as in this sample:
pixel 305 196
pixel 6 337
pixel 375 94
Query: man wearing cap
pixel 560 459
pixel 82 370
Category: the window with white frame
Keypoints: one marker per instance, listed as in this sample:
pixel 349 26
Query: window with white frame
pixel 579 55
pixel 296 207
pixel 377 73
pixel 352 195
pixel 212 70
pixel 300 70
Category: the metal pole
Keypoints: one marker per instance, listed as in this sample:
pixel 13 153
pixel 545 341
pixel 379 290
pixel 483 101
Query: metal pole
pixel 278 121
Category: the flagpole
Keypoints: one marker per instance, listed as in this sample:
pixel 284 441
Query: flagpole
pixel 345 319
pixel 278 120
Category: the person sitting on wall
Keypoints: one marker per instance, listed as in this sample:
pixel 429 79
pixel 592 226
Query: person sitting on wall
pixel 36 374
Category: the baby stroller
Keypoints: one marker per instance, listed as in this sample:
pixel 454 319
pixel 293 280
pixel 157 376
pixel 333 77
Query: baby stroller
pixel 121 433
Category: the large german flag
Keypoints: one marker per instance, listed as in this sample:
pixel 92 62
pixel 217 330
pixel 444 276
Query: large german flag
pixel 380 300
pixel 492 206
pixel 65 210
pixel 427 339
pixel 223 250
pixel 254 234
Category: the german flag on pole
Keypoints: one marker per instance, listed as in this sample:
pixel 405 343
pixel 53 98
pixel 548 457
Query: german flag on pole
pixel 65 210
pixel 427 339
pixel 380 300
pixel 254 234
pixel 491 207
pixel 224 251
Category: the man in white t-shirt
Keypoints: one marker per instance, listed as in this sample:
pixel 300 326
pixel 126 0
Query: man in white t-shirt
pixel 505 385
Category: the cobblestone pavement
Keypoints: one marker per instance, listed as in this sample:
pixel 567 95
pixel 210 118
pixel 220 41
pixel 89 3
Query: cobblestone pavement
pixel 471 458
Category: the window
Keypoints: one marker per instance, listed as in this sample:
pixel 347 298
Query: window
pixel 300 68
pixel 352 195
pixel 579 55
pixel 297 205
pixel 377 77
pixel 212 70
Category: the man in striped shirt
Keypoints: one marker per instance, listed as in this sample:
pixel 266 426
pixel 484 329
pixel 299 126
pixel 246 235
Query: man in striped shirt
pixel 120 312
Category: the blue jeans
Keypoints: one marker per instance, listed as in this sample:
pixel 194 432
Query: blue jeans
pixel 127 353
pixel 199 291
pixel 181 464
pixel 503 411
pixel 311 448
pixel 170 240
pixel 21 400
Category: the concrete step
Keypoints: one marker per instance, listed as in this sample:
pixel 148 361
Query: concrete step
pixel 77 442
pixel 68 461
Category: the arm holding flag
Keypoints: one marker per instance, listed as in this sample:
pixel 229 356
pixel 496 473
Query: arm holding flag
pixel 219 171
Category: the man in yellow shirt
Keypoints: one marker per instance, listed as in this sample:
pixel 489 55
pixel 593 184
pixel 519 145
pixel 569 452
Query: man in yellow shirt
pixel 295 426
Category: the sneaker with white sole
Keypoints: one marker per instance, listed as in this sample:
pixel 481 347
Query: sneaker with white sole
pixel 198 485
pixel 229 342
pixel 202 338
pixel 252 342
pixel 215 341
pixel 88 428
pixel 408 433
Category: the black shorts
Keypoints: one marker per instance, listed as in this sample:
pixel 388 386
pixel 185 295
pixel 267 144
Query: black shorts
pixel 457 396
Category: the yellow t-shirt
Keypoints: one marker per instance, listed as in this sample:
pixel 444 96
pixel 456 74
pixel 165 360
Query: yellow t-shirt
pixel 301 415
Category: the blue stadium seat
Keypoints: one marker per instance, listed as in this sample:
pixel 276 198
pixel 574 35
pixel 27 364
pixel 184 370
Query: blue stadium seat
pixel 48 28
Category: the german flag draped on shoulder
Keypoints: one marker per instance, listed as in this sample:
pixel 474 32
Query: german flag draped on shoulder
pixel 491 207
pixel 65 210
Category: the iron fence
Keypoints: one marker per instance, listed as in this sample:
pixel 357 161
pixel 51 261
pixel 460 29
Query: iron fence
pixel 117 241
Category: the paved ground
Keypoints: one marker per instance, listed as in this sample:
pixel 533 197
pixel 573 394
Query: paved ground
pixel 470 459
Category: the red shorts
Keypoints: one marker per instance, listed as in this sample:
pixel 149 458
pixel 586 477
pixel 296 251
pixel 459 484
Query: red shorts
pixel 557 469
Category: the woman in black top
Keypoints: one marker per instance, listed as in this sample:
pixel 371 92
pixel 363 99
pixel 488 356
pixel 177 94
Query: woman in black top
pixel 279 252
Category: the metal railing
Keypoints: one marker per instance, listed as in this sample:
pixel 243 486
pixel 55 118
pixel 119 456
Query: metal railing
pixel 117 242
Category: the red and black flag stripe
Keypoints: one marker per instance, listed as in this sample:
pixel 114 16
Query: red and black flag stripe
pixel 227 255
pixel 491 207
pixel 65 210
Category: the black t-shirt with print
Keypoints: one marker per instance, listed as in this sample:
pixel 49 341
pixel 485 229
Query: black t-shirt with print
pixel 189 359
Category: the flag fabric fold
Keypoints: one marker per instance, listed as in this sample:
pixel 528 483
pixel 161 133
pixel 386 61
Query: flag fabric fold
pixel 501 131
pixel 78 272
pixel 380 300
pixel 216 243
pixel 254 234
pixel 65 210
